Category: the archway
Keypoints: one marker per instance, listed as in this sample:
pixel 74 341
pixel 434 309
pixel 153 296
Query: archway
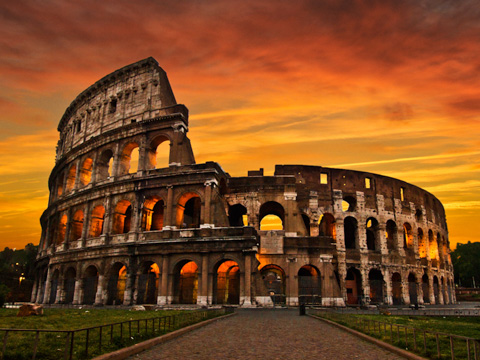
pixel 397 289
pixel 104 169
pixel 122 217
pixel 273 278
pixel 227 283
pixel 53 287
pixel 391 235
pixel 90 283
pixel 69 285
pixel 188 211
pixel 353 285
pixel 237 215
pixel 148 283
pixel 412 288
pixel 326 226
pixel 422 244
pixel 186 282
pixel 86 172
pixel 96 227
pixel 71 176
pixel 436 290
pixel 272 216
pixel 375 280
pixel 116 284
pixel 350 228
pixel 309 285
pixel 372 234
pixel 62 229
pixel 77 226
pixel 159 152
pixel 153 209
pixel 407 236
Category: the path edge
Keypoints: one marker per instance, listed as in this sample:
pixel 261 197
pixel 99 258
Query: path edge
pixel 147 344
pixel 404 353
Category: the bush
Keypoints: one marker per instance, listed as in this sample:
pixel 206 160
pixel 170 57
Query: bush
pixel 4 290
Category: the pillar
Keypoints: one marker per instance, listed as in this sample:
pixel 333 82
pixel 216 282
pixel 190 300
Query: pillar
pixel 78 294
pixel 129 287
pixel 207 216
pixel 202 299
pixel 163 296
pixel 169 215
pixel 46 294
pixel 247 284
pixel 99 293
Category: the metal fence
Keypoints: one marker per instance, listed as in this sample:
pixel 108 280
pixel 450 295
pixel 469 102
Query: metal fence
pixel 434 345
pixel 410 312
pixel 88 342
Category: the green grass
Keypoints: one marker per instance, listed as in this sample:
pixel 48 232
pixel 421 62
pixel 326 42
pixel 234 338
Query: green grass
pixel 398 330
pixel 52 345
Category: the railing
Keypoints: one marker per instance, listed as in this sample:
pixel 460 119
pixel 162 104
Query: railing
pixel 434 345
pixel 88 342
pixel 411 312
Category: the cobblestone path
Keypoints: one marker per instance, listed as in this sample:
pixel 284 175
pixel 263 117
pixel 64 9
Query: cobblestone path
pixel 266 334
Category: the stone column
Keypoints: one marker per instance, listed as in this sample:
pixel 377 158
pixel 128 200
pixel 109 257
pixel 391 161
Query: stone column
pixel 48 284
pixel 247 297
pixel 87 218
pixel 340 233
pixel 418 284
pixel 430 290
pixel 292 285
pixel 108 217
pixel 290 215
pixel 77 176
pixel 135 288
pixel 202 298
pixel 361 234
pixel 99 293
pixel 169 214
pixel 389 287
pixel 143 155
pixel 163 297
pixel 78 293
pixel 68 229
pixel 365 285
pixel 129 288
pixel 33 298
pixel 207 217
pixel 60 295
pixel 382 239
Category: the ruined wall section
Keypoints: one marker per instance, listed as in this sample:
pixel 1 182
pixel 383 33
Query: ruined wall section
pixel 131 94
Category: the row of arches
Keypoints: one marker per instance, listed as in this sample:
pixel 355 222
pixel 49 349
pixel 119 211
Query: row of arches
pixel 115 288
pixel 187 215
pixel 410 290
pixel 106 163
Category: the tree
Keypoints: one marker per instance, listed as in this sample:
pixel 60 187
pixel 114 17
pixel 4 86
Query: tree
pixel 466 264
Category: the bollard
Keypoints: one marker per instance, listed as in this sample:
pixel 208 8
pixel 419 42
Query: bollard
pixel 302 309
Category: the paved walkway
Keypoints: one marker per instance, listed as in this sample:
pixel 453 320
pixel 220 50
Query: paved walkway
pixel 266 334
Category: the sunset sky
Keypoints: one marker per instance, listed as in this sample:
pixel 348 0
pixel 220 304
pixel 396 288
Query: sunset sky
pixel 389 87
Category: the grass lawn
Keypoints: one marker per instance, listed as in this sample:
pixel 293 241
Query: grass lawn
pixel 91 343
pixel 398 330
pixel 71 319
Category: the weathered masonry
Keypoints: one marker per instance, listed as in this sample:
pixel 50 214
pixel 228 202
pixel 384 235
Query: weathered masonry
pixel 132 219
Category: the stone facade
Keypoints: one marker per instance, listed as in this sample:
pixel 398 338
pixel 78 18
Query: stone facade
pixel 123 228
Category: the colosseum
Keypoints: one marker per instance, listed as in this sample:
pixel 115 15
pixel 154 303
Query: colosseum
pixel 133 219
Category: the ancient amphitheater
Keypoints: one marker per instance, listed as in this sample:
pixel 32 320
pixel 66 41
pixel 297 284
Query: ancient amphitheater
pixel 165 230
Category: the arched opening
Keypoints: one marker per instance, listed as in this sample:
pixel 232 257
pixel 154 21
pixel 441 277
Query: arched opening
pixel 306 222
pixel 86 172
pixel 237 215
pixel 72 174
pixel 272 216
pixel 425 289
pixel 116 284
pixel 90 283
pixel 77 225
pixel 326 226
pixel 391 235
pixel 436 290
pixel 153 209
pixel 349 203
pixel 159 153
pixel 104 166
pixel 62 228
pixel 432 245
pixel 372 234
pixel 407 236
pixel 129 159
pixel 309 285
pixel 412 288
pixel 148 283
pixel 186 283
pixel 188 211
pixel 418 215
pixel 273 278
pixel 59 185
pixel 53 287
pixel 375 280
pixel 96 221
pixel 122 217
pixel 353 285
pixel 350 229
pixel 422 244
pixel 397 289
pixel 227 283
pixel 69 285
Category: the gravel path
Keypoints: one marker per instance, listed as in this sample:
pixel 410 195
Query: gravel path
pixel 266 334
